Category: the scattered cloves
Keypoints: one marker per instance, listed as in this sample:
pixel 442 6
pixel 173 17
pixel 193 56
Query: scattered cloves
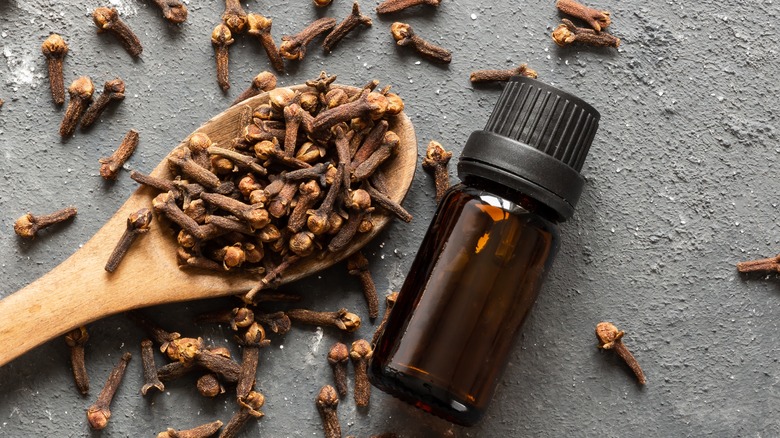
pixel 137 224
pixel 54 49
pixel 327 404
pixel 203 431
pixel 361 353
pixel 151 380
pixel 260 27
pixel 250 408
pixel 28 225
pixel 388 204
pixel 768 265
pixel 265 81
pixel 107 20
pixel 76 339
pixel 221 38
pixel 99 413
pixel 480 76
pixel 80 92
pixel 341 319
pixel 389 6
pixel 113 90
pixel 109 166
pixel 173 10
pixel 567 33
pixel 357 264
pixel 338 357
pixel 294 47
pixel 405 36
pixel 349 24
pixel 610 338
pixel 595 19
pixel 435 161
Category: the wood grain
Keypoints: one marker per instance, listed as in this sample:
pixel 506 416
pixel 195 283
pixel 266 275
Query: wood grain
pixel 79 290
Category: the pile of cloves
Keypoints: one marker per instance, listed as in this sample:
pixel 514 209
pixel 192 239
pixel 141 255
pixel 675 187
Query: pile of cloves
pixel 297 183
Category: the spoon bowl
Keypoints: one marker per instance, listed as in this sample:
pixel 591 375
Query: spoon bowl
pixel 80 291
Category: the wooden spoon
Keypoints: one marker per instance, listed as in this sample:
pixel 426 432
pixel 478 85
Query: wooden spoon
pixel 79 290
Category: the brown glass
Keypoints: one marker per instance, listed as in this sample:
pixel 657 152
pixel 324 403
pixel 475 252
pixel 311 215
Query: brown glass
pixel 470 287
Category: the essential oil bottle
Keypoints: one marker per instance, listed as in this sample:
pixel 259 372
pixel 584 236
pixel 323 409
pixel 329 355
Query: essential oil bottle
pixel 482 262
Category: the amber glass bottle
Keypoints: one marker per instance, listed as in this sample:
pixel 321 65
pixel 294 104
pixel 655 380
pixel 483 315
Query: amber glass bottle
pixel 483 259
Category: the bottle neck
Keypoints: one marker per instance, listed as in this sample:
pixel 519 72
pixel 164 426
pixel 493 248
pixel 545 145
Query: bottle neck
pixel 522 199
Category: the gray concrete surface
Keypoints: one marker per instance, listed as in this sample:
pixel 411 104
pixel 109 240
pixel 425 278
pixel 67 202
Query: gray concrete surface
pixel 681 184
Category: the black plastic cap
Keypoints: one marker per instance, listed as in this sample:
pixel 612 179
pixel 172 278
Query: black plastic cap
pixel 535 142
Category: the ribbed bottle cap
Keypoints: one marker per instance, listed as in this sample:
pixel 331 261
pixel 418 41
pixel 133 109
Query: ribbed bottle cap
pixel 535 141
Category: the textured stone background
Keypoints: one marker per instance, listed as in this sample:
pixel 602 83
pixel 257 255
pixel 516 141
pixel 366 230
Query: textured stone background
pixel 681 185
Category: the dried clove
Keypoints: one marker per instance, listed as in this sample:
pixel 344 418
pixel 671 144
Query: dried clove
pixel 405 36
pixel 238 158
pixel 165 203
pixel 107 20
pixel 260 27
pixel 238 317
pixel 264 81
pixel 359 204
pixel 253 340
pixel 357 265
pixel 209 386
pixel 173 371
pixel 54 49
pixel 151 380
pixel 595 19
pixel 28 225
pixel 768 265
pixel 224 367
pixel 221 39
pixel 137 224
pixel 338 357
pixel 322 3
pixel 182 157
pixel 370 104
pixel 249 408
pixel 388 147
pixel 293 116
pixel 388 204
pixel 113 90
pixel 80 92
pixel 99 413
pixel 480 76
pixel 173 10
pixel 203 431
pixel 234 17
pixel 327 404
pixel 277 322
pixel 610 338
pixel 341 319
pixel 270 276
pixel 567 33
pixel 254 214
pixel 76 339
pixel 294 47
pixel 361 353
pixel 390 302
pixel 349 24
pixel 309 195
pixel 109 166
pixel 389 6
pixel 435 161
